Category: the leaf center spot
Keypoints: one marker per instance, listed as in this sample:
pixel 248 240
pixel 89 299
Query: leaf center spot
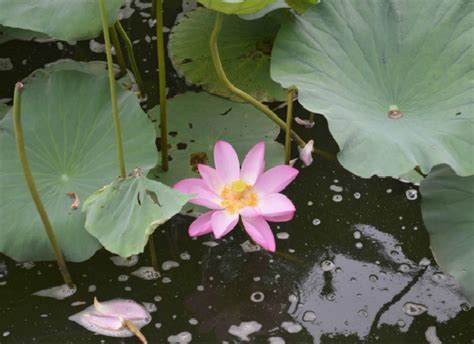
pixel 394 112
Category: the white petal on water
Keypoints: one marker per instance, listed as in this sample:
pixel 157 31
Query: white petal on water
pixel 248 247
pixel 59 292
pixel 245 329
pixel 181 338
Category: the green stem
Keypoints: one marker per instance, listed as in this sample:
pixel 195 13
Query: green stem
pixel 20 145
pixel 289 120
pixel 418 169
pixel 118 51
pixel 154 258
pixel 113 97
pixel 162 79
pixel 131 57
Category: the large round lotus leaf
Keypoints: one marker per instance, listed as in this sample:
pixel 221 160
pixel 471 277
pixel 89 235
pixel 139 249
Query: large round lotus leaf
pixel 10 33
pixel 448 213
pixel 236 6
pixel 63 19
pixel 69 137
pixel 245 49
pixel 197 120
pixel 125 213
pixel 352 60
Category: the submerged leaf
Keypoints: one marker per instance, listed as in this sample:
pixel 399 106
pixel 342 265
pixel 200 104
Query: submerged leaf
pixel 123 214
pixel 70 144
pixel 447 208
pixel 63 19
pixel 236 6
pixel 245 49
pixel 393 78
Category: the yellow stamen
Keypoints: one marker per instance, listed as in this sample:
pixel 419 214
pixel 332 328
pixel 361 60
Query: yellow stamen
pixel 238 195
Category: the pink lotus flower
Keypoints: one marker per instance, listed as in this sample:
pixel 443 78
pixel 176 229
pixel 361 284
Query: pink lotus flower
pixel 231 192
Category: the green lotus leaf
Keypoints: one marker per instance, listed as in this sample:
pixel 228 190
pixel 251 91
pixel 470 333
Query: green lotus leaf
pixel 69 138
pixel 10 33
pixel 447 208
pixel 276 5
pixel 197 120
pixel 4 108
pixel 123 214
pixel 301 6
pixel 354 61
pixel 236 6
pixel 245 48
pixel 62 19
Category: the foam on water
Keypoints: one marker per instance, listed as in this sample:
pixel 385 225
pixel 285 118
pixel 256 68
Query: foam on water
pixel 431 336
pixel 291 327
pixel 245 329
pixel 181 338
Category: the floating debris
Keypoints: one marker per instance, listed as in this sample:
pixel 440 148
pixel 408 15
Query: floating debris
pixel 359 245
pixel 181 338
pixel 59 292
pixel 258 296
pixel 414 309
pixel 337 198
pixel 357 195
pixel 185 256
pixel 245 329
pixel 169 264
pixel 283 235
pixel 193 321
pixel 356 235
pixel 363 313
pixel 411 194
pixel 336 188
pixel 127 262
pixel 431 336
pixel 122 278
pixel 309 316
pixel 327 265
pixel 248 247
pixel 316 222
pixel 291 327
pixel 210 243
pixel 147 273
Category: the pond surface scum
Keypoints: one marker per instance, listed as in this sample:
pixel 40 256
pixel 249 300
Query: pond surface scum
pixel 353 266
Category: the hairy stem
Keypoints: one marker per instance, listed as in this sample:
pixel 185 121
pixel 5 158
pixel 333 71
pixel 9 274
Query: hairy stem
pixel 118 51
pixel 20 145
pixel 152 247
pixel 289 120
pixel 162 80
pixel 113 97
pixel 131 57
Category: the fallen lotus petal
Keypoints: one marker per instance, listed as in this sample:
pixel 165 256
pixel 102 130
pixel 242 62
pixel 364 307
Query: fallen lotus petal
pixel 59 292
pixel 306 153
pixel 114 318
pixel 232 192
pixel 304 122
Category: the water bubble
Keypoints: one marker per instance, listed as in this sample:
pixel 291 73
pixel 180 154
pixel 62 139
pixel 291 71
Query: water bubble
pixel 258 296
pixel 256 278
pixel 424 262
pixel 309 316
pixel 438 277
pixel 157 298
pixel 337 198
pixel 166 280
pixel 283 235
pixel 414 309
pixel 327 265
pixel 310 202
pixel 356 195
pixel 158 325
pixel 358 245
pixel 200 288
pixel 210 243
pixel 331 296
pixel 316 222
pixel 185 256
pixel 150 307
pixel 245 329
pixel 193 321
pixel 291 327
pixel 466 307
pixel 127 262
pixel 373 278
pixel 276 340
pixel 401 323
pixel 127 288
pixel 169 264
pixel 404 268
pixel 336 188
pixel 249 247
pixel 356 235
pixel 338 269
pixel 122 278
pixel 389 191
pixel 92 288
pixel 363 313
pixel 411 194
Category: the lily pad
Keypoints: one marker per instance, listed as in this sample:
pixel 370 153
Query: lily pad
pixel 63 19
pixel 123 214
pixel 197 120
pixel 236 6
pixel 9 33
pixel 245 48
pixel 447 208
pixel 69 138
pixel 4 108
pixel 393 78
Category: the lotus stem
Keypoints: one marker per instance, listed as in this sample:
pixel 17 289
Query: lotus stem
pixel 20 146
pixel 418 170
pixel 118 51
pixel 131 57
pixel 113 96
pixel 289 120
pixel 152 247
pixel 162 81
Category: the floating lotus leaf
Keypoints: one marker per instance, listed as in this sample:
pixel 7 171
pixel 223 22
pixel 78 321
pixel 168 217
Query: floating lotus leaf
pixel 197 120
pixel 447 208
pixel 63 19
pixel 10 33
pixel 69 138
pixel 123 214
pixel 357 61
pixel 4 108
pixel 236 6
pixel 245 48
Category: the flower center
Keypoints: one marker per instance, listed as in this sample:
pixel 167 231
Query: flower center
pixel 238 195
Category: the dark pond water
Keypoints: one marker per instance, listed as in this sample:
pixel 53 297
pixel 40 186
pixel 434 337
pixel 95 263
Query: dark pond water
pixel 354 266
